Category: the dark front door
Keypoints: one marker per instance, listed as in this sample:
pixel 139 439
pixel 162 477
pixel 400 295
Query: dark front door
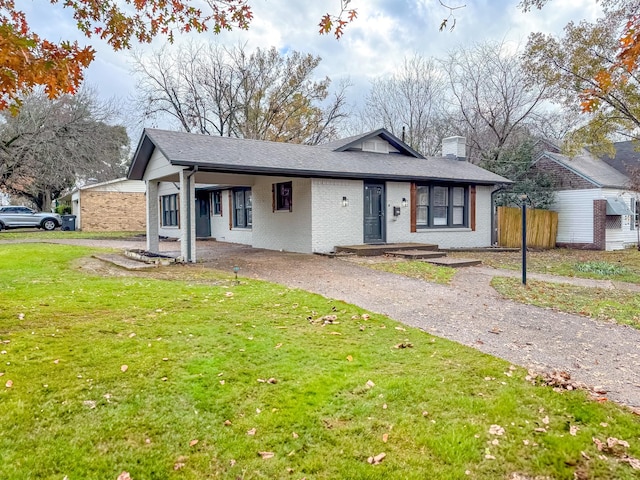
pixel 203 214
pixel 374 213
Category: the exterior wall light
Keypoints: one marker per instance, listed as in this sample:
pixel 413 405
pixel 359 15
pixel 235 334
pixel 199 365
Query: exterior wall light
pixel 345 202
pixel 404 202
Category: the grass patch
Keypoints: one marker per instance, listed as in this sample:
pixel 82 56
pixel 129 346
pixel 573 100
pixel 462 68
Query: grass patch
pixel 34 234
pixel 195 353
pixel 599 268
pixel 416 269
pixel 620 265
pixel 614 305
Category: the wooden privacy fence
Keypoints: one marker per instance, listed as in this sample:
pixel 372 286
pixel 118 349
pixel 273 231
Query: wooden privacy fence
pixel 542 228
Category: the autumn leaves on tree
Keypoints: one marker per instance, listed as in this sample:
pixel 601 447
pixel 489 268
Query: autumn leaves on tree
pixel 28 60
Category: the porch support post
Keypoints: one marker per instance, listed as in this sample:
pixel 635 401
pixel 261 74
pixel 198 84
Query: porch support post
pixel 187 216
pixel 153 217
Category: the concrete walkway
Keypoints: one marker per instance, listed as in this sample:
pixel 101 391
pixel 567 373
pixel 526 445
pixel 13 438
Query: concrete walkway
pixel 601 354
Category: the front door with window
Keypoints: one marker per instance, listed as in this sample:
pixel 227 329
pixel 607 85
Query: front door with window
pixel 203 214
pixel 374 231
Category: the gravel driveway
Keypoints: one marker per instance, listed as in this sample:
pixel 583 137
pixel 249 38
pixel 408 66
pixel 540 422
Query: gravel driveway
pixel 602 355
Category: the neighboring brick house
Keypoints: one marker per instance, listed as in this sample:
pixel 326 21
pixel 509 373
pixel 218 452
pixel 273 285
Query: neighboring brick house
pixel 371 188
pixel 115 205
pixel 596 208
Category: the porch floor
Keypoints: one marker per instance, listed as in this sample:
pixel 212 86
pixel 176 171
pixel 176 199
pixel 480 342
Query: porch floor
pixel 366 250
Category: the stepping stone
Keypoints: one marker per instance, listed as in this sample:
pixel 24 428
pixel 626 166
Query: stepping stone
pixel 454 262
pixel 415 254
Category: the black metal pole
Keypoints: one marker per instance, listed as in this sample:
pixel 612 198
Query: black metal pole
pixel 524 241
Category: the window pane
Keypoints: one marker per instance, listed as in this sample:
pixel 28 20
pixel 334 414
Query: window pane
pixel 422 195
pixel 458 196
pixel 440 196
pixel 239 199
pixel 249 217
pixel 458 216
pixel 439 215
pixel 421 215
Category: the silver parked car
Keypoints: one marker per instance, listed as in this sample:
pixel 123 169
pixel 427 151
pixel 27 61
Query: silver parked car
pixel 16 217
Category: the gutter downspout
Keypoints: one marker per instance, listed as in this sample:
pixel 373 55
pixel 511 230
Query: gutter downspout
pixel 189 200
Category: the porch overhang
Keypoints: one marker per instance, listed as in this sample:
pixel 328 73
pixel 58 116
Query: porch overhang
pixel 616 206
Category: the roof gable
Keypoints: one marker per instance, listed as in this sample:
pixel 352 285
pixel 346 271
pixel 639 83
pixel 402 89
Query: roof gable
pixel 360 142
pixel 591 169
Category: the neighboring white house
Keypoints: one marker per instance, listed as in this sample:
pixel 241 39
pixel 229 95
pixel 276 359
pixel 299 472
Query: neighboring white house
pixel 596 209
pixel 371 188
pixel 114 205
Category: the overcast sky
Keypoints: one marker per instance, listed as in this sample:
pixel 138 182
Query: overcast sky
pixel 385 32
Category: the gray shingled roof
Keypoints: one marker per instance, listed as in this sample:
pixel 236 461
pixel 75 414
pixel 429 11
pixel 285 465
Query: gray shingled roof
pixel 627 158
pixel 592 169
pixel 233 155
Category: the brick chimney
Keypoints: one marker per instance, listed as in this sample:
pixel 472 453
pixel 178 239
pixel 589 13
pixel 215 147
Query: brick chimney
pixel 454 147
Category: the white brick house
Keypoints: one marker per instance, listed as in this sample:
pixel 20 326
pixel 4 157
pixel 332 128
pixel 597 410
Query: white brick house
pixel 371 188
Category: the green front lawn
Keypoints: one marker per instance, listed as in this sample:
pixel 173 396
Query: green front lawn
pixel 621 265
pixel 175 379
pixel 35 234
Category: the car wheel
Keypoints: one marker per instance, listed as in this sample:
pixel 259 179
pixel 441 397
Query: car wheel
pixel 49 224
pixel 1 226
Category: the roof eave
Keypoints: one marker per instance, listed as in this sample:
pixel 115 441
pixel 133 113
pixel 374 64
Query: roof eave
pixel 307 173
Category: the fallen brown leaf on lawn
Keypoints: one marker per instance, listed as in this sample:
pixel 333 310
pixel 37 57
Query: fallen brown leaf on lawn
pixel 124 368
pixel 227 423
pixel 124 476
pixel 221 382
pixel 295 435
pixel 131 335
pixel 228 294
pixel 261 380
pixel 335 333
pixel 89 403
pixel 193 443
pixel 385 437
pixel 401 329
pixel 365 316
pixel 278 345
pixel 634 462
pixel 9 384
pixel 377 459
pixel 232 462
pixel 350 358
pixel 370 384
pixel 272 381
pixel 56 361
pixel 545 420
pixel 251 432
pixel 573 430
pixel 496 430
pixel 178 465
pixel 266 455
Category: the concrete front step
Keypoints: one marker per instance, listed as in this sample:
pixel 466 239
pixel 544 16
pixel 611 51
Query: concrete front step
pixel 416 254
pixel 453 262
pixel 375 250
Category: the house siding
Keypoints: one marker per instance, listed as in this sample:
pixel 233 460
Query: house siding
pixel 331 223
pixel 576 220
pixel 282 230
pixel 399 228
pixel 575 215
pixel 160 167
pixel 112 211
